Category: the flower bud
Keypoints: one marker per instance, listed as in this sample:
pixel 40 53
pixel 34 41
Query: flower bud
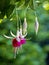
pixel 25 23
pixel 36 25
pixel 24 26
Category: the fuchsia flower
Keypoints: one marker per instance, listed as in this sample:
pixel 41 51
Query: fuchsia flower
pixel 15 39
pixel 18 39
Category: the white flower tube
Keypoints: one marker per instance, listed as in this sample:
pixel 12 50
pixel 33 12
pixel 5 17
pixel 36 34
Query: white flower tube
pixel 17 36
pixel 21 35
pixel 36 25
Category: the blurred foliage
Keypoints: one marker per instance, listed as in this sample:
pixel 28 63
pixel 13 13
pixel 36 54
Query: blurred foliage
pixel 31 54
pixel 35 50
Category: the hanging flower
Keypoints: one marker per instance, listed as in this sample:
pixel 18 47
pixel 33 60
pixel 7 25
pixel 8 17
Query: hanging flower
pixel 36 25
pixel 16 43
pixel 46 5
pixel 24 26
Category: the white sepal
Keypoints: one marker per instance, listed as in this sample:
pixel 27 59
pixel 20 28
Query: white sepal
pixel 12 34
pixel 7 37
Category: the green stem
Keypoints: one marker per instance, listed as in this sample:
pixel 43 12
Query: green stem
pixel 17 19
pixel 34 8
pixel 20 22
